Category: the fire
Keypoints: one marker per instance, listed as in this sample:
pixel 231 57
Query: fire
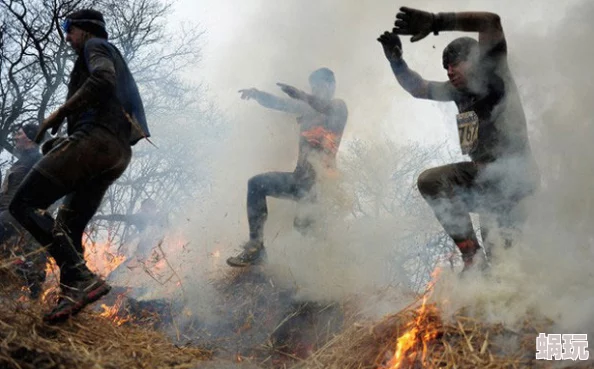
pixel 321 137
pixel 419 332
pixel 112 312
pixel 100 259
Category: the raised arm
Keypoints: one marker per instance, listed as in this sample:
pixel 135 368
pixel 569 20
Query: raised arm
pixel 410 80
pixel 419 24
pixel 273 102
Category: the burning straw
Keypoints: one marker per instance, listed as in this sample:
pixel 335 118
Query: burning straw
pixel 419 337
pixel 85 341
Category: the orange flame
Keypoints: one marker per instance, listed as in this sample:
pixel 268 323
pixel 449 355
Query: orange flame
pixel 100 259
pixel 418 333
pixel 113 312
pixel 323 138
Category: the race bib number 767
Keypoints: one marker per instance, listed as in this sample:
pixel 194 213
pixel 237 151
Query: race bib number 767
pixel 468 125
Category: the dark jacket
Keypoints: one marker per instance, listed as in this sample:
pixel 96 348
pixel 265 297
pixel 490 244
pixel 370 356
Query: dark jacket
pixel 102 91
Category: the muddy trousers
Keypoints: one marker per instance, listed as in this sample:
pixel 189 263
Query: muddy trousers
pixel 455 190
pixel 82 168
pixel 285 185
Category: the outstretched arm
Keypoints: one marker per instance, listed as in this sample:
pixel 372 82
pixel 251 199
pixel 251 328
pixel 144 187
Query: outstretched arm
pixel 324 106
pixel 272 102
pixel 410 80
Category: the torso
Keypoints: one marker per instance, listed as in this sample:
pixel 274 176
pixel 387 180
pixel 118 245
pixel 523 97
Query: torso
pixel 320 137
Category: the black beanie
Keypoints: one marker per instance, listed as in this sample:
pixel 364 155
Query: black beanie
pixel 30 130
pixel 89 20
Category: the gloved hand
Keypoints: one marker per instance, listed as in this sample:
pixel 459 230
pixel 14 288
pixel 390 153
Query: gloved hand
pixel 53 121
pixel 414 22
pixel 392 46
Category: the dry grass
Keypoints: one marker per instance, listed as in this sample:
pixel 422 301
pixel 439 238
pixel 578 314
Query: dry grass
pixel 461 343
pixel 85 341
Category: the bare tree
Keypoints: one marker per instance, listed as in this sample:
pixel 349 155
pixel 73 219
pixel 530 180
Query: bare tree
pixel 35 62
pixel 382 178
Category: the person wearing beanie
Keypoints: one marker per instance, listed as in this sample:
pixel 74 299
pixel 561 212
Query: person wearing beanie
pixel 105 117
pixel 32 267
pixel 491 125
pixel 322 119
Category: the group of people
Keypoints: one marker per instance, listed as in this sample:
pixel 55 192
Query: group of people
pixel 106 117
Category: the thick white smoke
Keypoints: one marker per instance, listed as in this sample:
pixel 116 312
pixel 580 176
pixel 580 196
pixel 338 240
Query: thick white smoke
pixel 550 55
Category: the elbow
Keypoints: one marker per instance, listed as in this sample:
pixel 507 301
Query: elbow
pixel 493 21
pixel 418 93
pixel 105 81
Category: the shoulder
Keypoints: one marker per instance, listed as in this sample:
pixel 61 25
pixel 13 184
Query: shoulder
pixel 98 46
pixel 31 156
pixel 96 42
pixel 339 105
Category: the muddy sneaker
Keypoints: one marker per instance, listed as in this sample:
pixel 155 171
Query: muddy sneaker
pixel 76 296
pixel 253 254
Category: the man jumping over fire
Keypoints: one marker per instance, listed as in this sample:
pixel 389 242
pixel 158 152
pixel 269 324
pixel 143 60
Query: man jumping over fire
pixel 105 117
pixel 491 124
pixel 322 121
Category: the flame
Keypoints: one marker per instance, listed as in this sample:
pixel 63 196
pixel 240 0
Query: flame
pixel 419 332
pixel 100 259
pixel 112 312
pixel 321 137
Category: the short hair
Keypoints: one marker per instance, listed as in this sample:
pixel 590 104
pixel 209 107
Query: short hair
pixel 461 49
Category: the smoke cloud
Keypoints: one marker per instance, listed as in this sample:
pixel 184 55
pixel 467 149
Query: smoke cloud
pixel 549 55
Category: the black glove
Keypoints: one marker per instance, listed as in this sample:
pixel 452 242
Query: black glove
pixel 414 22
pixel 392 46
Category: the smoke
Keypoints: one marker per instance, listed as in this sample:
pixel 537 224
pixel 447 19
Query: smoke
pixel 549 55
